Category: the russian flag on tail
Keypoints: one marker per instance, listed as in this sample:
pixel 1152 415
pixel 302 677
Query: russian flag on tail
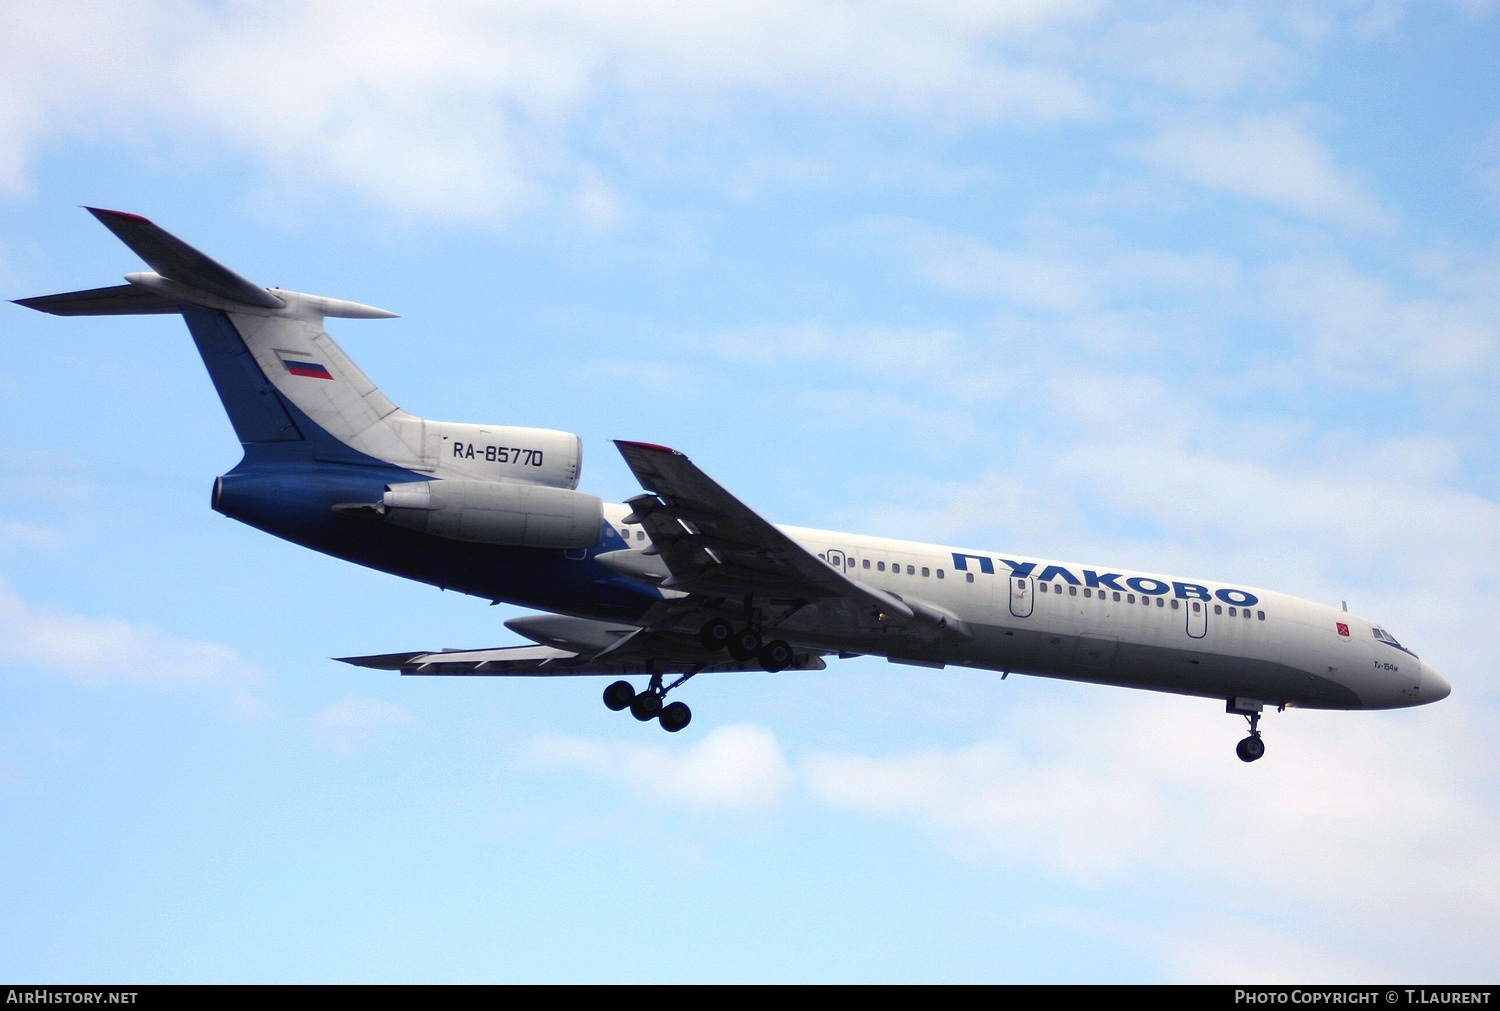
pixel 310 370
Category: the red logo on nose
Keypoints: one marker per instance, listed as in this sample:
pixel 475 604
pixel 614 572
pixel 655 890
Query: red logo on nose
pixel 1343 629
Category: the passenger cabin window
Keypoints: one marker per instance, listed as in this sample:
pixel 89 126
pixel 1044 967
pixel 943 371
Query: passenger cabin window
pixel 1218 609
pixel 1232 613
pixel 1196 607
pixel 1174 605
pixel 880 566
pixel 969 576
pixel 911 570
pixel 867 563
pixel 1072 591
pixel 1117 596
pixel 940 573
pixel 1260 615
pixel 924 572
pixel 1043 588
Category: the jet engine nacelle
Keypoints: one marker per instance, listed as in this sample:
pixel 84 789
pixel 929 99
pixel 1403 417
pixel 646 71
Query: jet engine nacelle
pixel 493 512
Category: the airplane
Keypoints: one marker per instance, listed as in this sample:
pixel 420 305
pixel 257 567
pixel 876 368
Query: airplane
pixel 684 578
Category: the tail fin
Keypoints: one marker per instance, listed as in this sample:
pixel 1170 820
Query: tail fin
pixel 284 381
pixel 260 347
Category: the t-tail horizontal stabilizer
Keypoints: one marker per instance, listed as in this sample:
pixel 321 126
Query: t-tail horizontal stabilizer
pixel 183 276
pixel 177 261
pixel 120 300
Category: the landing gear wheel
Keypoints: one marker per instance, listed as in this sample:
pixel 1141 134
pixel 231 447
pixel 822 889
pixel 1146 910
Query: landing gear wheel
pixel 646 706
pixel 675 716
pixel 619 695
pixel 1250 748
pixel 744 644
pixel 715 634
pixel 775 655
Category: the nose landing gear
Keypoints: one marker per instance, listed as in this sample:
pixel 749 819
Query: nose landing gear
pixel 1251 748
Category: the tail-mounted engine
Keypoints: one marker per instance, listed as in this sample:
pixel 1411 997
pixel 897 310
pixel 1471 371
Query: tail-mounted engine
pixel 491 512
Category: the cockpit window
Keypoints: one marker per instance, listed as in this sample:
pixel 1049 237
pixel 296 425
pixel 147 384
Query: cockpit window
pixel 1390 640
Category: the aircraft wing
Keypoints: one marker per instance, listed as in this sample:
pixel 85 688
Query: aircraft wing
pixel 715 546
pixel 552 661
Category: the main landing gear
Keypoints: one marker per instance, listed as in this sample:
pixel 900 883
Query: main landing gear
pixel 718 633
pixel 745 644
pixel 647 705
pixel 1252 747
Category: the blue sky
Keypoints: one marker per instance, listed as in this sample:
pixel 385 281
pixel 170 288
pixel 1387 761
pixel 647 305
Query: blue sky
pixel 1202 288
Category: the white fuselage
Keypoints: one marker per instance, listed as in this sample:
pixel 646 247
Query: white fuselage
pixel 1115 626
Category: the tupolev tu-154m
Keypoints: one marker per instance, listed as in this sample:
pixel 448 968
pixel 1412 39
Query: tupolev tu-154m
pixel 685 579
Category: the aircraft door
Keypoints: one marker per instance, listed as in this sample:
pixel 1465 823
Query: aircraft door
pixel 1022 595
pixel 836 559
pixel 1096 652
pixel 1197 618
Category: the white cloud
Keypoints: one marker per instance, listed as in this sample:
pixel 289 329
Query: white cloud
pixel 83 68
pixel 732 767
pixel 1485 165
pixel 878 350
pixel 469 108
pixel 1220 949
pixel 1203 51
pixel 355 721
pixel 1360 330
pixel 56 479
pixel 988 799
pixel 939 430
pixel 102 651
pixel 30 535
pixel 1063 270
pixel 1373 836
pixel 1272 158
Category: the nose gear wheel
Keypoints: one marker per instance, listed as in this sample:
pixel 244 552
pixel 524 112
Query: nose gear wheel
pixel 1251 748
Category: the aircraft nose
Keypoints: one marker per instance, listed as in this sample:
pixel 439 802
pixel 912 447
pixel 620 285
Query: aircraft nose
pixel 1434 685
